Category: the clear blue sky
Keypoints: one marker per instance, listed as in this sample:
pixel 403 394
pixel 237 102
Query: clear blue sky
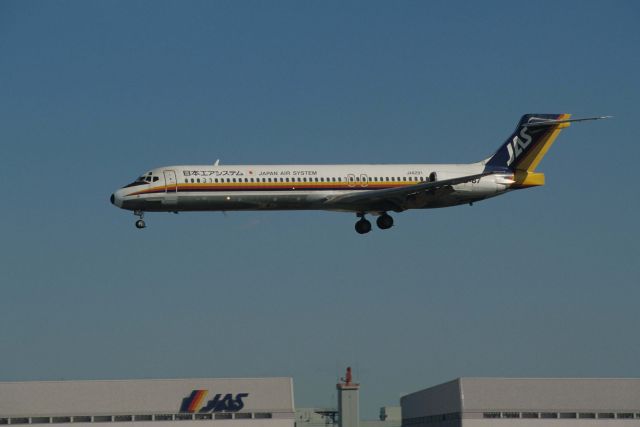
pixel 542 282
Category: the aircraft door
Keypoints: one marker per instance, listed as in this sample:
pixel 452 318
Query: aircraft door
pixel 351 180
pixel 364 180
pixel 171 187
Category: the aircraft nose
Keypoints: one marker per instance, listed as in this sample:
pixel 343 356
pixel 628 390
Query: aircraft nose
pixel 116 199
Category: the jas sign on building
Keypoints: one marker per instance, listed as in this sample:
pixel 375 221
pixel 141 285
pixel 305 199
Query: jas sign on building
pixel 219 403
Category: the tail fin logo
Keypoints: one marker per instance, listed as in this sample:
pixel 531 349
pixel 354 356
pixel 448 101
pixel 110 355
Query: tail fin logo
pixel 517 146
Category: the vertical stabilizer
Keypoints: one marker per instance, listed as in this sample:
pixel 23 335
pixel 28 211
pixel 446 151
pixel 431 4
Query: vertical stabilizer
pixel 530 141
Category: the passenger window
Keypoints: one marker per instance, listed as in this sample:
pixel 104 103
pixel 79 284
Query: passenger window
pixel 186 181
pixel 198 180
pixel 246 180
pixel 193 180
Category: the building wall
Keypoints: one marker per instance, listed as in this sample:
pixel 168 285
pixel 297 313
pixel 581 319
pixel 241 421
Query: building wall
pixel 484 402
pixel 259 402
pixel 550 423
pixel 550 394
pixel 348 406
pixel 441 399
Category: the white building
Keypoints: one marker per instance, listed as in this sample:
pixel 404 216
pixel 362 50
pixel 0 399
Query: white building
pixel 250 402
pixel 515 402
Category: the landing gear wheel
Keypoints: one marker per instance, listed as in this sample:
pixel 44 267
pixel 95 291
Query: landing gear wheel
pixel 140 223
pixel 363 226
pixel 384 222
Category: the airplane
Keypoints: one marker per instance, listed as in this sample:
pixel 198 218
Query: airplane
pixel 374 189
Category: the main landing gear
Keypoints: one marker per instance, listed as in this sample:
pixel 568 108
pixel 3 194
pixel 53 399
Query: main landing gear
pixel 384 221
pixel 140 223
pixel 363 226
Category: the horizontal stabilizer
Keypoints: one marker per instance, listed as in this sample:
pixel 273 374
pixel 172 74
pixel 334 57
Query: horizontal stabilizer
pixel 538 122
pixel 530 141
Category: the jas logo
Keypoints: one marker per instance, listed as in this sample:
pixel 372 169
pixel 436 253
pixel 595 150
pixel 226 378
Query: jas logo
pixel 517 145
pixel 227 402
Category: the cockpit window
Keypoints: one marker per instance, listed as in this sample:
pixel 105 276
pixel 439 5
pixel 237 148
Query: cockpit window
pixel 144 179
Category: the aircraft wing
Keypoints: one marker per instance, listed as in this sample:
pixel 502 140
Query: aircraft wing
pixel 394 198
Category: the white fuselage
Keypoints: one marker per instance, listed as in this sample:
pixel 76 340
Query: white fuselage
pixel 295 187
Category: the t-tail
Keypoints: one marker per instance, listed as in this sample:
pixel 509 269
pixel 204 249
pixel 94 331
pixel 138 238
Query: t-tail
pixel 524 149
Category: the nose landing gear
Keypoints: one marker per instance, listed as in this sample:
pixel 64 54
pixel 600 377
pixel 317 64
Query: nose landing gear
pixel 140 223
